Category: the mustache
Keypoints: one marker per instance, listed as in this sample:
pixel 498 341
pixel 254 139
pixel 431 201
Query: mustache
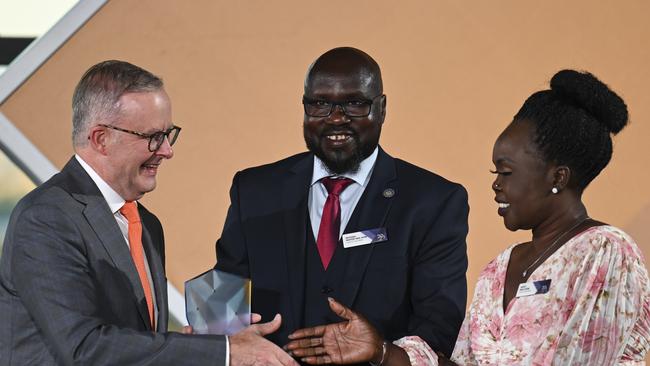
pixel 338 131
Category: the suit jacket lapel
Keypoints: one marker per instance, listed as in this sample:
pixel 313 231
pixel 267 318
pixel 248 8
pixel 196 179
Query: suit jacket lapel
pixel 103 222
pixel 295 192
pixel 157 276
pixel 370 213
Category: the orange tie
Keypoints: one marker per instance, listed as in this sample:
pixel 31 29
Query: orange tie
pixel 130 211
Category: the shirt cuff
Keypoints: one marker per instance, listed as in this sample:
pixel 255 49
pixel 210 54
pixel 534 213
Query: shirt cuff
pixel 227 351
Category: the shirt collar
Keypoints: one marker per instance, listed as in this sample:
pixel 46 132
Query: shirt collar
pixel 114 200
pixel 360 176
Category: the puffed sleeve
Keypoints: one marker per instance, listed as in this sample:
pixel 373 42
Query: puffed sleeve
pixel 609 323
pixel 638 341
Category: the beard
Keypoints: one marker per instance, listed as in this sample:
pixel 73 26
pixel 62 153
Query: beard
pixel 339 162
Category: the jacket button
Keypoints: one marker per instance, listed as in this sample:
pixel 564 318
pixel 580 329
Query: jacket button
pixel 326 290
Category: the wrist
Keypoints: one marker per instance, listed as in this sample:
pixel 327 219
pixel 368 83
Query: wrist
pixel 380 355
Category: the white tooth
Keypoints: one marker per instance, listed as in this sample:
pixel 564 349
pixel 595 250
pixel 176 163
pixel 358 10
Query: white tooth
pixel 504 205
pixel 337 137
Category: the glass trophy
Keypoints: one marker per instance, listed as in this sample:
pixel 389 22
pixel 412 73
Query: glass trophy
pixel 218 302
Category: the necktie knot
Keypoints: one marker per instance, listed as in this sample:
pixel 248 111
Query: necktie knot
pixel 130 211
pixel 335 186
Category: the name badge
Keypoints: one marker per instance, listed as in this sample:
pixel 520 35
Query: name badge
pixel 537 287
pixel 364 237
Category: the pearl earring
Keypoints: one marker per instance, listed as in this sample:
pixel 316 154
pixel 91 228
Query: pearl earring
pixel 554 190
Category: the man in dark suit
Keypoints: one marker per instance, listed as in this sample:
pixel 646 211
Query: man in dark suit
pixel 82 273
pixel 348 221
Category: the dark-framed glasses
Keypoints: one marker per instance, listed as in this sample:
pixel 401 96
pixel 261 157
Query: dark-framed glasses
pixel 156 139
pixel 351 108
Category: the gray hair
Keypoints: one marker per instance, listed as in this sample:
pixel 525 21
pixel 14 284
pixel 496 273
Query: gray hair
pixel 96 97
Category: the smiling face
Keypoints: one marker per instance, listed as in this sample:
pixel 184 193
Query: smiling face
pixel 340 141
pixel 130 167
pixel 524 181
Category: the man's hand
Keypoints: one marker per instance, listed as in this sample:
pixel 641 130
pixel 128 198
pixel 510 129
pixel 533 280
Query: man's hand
pixel 249 347
pixel 351 341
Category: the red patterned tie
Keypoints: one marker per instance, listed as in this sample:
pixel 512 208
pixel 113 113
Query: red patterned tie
pixel 330 223
pixel 130 211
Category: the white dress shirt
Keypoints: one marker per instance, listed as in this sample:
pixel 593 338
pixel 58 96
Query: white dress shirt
pixel 348 198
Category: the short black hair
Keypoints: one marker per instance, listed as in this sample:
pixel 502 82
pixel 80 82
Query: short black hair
pixel 347 59
pixel 574 121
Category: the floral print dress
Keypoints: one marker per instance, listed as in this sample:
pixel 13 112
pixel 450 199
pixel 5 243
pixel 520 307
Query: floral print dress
pixel 596 311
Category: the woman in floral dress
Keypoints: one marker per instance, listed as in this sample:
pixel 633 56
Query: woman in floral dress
pixel 578 292
pixel 596 309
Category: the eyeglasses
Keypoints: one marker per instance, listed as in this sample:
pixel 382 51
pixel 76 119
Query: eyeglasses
pixel 155 139
pixel 351 108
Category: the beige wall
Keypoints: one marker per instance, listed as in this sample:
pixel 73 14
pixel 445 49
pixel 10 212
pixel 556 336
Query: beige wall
pixel 455 73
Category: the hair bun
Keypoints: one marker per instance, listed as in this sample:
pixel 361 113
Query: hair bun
pixel 587 92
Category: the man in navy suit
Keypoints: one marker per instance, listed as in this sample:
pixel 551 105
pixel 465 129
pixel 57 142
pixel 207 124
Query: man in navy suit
pixel 399 253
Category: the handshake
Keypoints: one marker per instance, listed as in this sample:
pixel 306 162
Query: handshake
pixel 354 340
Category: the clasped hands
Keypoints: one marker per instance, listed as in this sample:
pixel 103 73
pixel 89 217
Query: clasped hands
pixel 354 340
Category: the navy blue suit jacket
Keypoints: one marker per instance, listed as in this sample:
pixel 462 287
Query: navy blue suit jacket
pixel 412 284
